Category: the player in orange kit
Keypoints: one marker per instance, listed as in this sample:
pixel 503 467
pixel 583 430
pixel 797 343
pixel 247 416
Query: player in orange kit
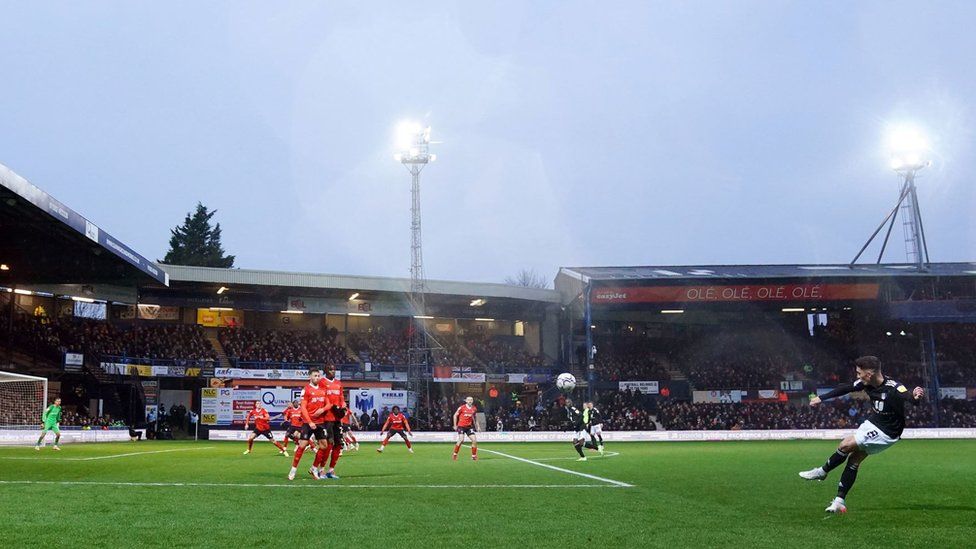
pixel 464 425
pixel 262 427
pixel 313 403
pixel 330 447
pixel 398 425
pixel 293 422
pixel 348 439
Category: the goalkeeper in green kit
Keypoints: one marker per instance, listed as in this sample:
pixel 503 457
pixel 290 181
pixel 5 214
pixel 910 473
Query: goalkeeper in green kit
pixel 49 422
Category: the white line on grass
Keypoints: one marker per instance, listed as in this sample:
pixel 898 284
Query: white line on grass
pixel 111 456
pixel 607 455
pixel 560 469
pixel 296 485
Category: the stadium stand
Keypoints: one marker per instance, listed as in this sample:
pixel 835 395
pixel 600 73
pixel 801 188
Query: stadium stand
pixel 281 347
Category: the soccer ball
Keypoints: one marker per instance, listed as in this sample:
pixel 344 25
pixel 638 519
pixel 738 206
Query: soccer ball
pixel 566 382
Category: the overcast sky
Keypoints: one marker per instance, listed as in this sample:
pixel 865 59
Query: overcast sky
pixel 574 133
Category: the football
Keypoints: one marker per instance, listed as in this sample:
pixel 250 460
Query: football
pixel 566 382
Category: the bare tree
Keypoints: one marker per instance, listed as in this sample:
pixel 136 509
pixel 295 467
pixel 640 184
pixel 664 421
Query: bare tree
pixel 528 278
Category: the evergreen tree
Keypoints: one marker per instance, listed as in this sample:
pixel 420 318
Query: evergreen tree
pixel 196 243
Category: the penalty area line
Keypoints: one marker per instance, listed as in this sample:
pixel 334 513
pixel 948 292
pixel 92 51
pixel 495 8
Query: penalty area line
pixel 111 456
pixel 611 482
pixel 300 485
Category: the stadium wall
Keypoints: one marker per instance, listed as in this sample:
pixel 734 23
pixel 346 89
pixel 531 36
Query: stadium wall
pixel 634 436
pixel 23 437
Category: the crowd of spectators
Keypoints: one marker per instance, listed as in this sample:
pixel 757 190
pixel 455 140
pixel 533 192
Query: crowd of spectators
pixel 54 336
pixel 385 348
pixel 85 421
pixel 837 414
pixel 477 351
pixel 282 346
pixel 628 358
pixel 20 411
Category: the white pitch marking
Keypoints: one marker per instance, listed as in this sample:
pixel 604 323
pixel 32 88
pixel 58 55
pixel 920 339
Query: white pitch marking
pixel 112 456
pixel 301 485
pixel 607 455
pixel 560 469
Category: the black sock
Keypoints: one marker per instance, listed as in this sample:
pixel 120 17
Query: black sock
pixel 834 461
pixel 600 438
pixel 847 479
pixel 591 445
pixel 579 449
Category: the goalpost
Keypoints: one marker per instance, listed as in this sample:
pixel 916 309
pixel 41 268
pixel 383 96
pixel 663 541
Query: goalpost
pixel 23 399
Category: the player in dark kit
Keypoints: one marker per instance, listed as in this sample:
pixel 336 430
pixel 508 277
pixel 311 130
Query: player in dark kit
pixel 575 417
pixel 880 431
pixel 593 419
pixel 396 424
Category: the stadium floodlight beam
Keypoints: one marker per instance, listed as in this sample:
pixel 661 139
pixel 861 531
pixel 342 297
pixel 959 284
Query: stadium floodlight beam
pixel 909 150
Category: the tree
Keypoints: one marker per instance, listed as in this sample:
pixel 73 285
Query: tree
pixel 528 278
pixel 196 243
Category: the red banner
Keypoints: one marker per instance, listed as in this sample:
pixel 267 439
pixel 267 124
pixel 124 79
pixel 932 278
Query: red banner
pixel 748 292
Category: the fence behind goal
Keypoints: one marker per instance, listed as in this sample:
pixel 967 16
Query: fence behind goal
pixel 22 400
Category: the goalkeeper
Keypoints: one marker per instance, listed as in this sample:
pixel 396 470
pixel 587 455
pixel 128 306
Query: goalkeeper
pixel 50 421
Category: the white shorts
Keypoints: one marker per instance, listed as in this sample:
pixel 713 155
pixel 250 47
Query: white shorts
pixel 580 435
pixel 596 429
pixel 871 439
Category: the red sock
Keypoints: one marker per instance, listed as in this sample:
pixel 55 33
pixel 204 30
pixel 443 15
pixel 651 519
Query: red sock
pixel 285 443
pixel 298 456
pixel 353 438
pixel 319 458
pixel 408 443
pixel 336 450
pixel 250 444
pixel 457 448
pixel 385 440
pixel 278 444
pixel 474 451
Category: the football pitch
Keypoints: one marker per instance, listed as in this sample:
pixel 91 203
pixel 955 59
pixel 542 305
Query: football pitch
pixel 206 494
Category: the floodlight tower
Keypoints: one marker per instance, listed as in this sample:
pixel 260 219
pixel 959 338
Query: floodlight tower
pixel 413 151
pixel 907 146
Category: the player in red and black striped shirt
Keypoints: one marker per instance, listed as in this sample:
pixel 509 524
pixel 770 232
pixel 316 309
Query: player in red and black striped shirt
pixel 398 425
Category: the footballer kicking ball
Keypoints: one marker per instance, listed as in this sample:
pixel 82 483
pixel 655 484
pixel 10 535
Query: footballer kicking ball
pixel 566 382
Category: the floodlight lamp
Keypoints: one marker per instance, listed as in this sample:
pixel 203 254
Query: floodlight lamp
pixel 907 146
pixel 407 133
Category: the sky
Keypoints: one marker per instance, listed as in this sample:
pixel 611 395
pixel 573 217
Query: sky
pixel 570 133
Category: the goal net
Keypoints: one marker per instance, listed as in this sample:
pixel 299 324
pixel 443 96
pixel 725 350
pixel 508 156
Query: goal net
pixel 22 400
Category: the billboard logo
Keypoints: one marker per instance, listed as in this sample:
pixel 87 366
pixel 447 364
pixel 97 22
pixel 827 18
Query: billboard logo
pixel 364 402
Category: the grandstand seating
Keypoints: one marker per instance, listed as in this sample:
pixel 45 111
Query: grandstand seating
pixel 279 346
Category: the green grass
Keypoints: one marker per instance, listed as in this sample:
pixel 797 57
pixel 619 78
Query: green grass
pixel 683 494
